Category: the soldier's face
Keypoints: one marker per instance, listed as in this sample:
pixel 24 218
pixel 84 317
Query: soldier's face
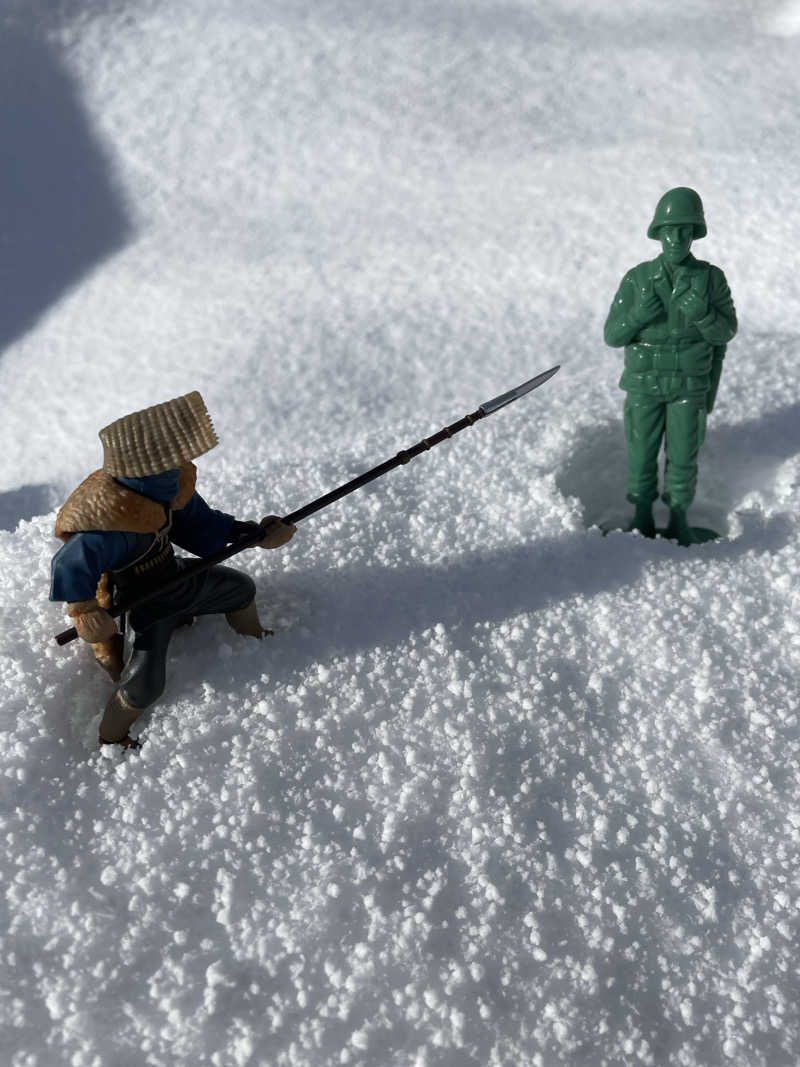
pixel 676 241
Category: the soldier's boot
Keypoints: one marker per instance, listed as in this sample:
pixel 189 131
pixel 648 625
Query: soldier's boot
pixel 643 519
pixel 679 529
pixel 245 621
pixel 117 719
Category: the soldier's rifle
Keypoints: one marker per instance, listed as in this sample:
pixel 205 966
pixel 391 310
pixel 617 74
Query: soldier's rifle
pixel 489 407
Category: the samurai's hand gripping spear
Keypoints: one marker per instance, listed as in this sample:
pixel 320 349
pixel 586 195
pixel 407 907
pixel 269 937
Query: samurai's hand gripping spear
pixel 403 456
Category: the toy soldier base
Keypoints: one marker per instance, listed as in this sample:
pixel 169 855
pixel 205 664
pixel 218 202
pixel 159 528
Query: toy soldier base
pixel 677 529
pixel 674 317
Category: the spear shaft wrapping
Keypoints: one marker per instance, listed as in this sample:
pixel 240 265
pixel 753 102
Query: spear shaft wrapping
pixel 403 456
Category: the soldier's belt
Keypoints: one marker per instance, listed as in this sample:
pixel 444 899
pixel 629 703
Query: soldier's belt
pixel 681 358
pixel 152 569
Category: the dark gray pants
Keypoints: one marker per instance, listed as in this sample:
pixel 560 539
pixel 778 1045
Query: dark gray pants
pixel 149 629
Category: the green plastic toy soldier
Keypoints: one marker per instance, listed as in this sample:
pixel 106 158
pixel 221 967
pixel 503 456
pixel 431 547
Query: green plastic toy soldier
pixel 674 316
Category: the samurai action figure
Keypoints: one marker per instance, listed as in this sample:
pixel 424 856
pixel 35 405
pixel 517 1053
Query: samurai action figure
pixel 674 315
pixel 118 529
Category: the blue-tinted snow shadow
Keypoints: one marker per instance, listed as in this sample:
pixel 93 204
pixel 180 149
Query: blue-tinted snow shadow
pixel 24 503
pixel 360 608
pixel 61 210
pixel 744 456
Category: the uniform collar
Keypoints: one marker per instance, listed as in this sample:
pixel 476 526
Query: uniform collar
pixel 162 487
pixel 667 271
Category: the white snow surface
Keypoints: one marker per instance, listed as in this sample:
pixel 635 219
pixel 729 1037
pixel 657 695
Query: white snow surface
pixel 501 792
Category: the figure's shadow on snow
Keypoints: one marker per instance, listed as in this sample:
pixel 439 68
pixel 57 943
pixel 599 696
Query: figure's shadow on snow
pixel 736 459
pixel 364 607
pixel 24 503
pixel 61 213
pixel 595 472
pixel 745 456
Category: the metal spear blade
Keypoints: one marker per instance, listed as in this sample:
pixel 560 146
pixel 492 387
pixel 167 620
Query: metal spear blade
pixel 514 394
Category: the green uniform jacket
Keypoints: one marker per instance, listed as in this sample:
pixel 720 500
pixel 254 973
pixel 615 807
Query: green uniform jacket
pixel 667 346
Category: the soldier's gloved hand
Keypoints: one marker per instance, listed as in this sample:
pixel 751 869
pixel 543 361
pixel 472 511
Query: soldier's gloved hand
pixel 276 532
pixel 93 623
pixel 692 305
pixel 648 306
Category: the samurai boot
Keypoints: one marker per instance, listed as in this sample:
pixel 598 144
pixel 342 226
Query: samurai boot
pixel 643 519
pixel 119 715
pixel 245 621
pixel 126 742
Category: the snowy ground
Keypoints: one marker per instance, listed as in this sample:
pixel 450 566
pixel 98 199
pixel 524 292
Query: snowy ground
pixel 501 792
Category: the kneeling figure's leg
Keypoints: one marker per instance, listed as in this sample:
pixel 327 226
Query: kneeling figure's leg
pixel 232 592
pixel 141 683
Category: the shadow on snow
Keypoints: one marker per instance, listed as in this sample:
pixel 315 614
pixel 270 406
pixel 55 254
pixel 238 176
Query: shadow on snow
pixel 25 503
pixel 61 211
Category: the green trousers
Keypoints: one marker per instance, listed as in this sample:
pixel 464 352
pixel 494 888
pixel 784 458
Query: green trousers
pixel 680 422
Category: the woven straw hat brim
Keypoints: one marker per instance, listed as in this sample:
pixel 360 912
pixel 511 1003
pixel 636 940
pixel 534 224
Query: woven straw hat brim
pixel 158 438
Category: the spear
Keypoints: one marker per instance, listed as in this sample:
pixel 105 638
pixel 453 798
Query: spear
pixel 403 456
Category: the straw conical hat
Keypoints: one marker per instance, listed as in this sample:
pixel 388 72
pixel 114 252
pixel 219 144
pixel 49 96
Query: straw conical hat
pixel 158 438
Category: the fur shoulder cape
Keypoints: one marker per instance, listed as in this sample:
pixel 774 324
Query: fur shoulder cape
pixel 100 503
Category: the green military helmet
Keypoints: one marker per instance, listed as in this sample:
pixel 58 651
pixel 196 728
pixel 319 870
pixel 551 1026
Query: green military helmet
pixel 677 207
